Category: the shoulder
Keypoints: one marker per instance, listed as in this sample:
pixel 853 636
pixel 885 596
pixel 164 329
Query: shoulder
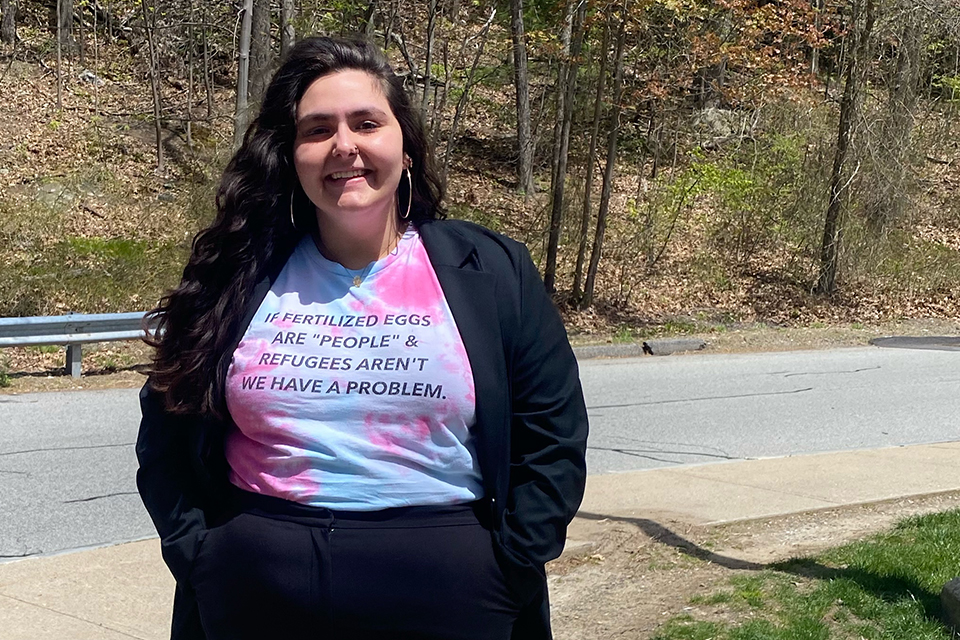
pixel 452 241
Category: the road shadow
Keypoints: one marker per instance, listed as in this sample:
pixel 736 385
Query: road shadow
pixel 670 538
pixel 890 589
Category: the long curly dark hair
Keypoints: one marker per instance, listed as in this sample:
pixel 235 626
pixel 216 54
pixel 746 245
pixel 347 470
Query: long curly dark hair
pixel 197 324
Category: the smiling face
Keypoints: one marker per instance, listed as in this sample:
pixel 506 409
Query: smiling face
pixel 348 152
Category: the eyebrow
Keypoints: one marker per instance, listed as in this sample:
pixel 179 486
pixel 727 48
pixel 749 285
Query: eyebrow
pixel 359 113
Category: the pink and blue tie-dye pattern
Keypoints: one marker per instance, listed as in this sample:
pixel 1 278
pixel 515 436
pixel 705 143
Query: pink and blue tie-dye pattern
pixel 354 397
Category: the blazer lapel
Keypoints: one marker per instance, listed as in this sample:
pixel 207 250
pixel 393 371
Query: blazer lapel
pixel 471 294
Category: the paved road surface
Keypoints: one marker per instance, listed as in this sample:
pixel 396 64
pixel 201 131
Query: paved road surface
pixel 67 469
pixel 67 462
pixel 693 409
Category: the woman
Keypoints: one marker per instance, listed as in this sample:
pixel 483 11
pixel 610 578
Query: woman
pixel 363 421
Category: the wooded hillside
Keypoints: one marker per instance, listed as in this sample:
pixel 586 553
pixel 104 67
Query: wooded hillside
pixel 692 163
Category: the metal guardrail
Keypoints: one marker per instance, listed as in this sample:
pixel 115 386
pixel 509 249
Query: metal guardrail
pixel 72 330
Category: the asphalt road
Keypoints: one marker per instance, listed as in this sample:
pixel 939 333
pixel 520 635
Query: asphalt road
pixel 693 409
pixel 67 469
pixel 67 463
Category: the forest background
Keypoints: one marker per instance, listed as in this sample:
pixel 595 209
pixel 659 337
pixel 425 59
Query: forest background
pixel 673 165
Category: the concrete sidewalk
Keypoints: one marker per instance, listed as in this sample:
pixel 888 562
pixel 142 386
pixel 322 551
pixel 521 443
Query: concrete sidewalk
pixel 124 591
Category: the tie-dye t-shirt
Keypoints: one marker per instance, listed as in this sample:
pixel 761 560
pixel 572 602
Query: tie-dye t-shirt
pixel 354 396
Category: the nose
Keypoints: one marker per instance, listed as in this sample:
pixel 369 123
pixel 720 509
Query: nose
pixel 343 144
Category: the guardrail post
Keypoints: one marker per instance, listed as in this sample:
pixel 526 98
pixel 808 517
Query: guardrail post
pixel 71 330
pixel 74 356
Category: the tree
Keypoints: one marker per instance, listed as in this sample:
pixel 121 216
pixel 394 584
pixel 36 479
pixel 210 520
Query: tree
pixel 610 168
pixel 8 26
pixel 150 28
pixel 464 96
pixel 65 24
pixel 861 26
pixel 590 162
pixel 522 84
pixel 261 55
pixel 369 18
pixel 191 50
pixel 207 75
pixel 241 113
pixel 428 63
pixel 566 90
pixel 59 57
pixel 888 195
pixel 288 33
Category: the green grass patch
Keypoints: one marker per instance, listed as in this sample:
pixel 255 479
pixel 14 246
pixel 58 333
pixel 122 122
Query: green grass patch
pixel 45 348
pixel 686 628
pixel 624 334
pixel 89 275
pixel 5 380
pixel 883 588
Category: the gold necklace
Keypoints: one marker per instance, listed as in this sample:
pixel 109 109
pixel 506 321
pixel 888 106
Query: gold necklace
pixel 359 278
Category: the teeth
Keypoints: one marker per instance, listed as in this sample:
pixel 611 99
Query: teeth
pixel 347 174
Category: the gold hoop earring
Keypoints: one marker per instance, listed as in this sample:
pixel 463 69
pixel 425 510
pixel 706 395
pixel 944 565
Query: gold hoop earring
pixel 293 223
pixel 406 172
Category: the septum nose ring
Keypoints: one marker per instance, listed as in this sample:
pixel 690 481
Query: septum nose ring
pixel 354 150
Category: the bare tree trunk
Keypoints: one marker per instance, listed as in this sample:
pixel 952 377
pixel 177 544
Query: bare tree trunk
pixel 288 33
pixel 565 35
pixel 260 53
pixel 591 161
pixel 98 131
pixel 59 57
pixel 240 114
pixel 191 45
pixel 440 101
pixel 82 35
pixel 522 84
pixel 817 21
pixel 462 102
pixel 428 63
pixel 8 27
pixel 609 169
pixel 207 77
pixel 389 20
pixel 65 24
pixel 889 195
pixel 840 177
pixel 368 18
pixel 148 28
pixel 440 97
pixel 568 87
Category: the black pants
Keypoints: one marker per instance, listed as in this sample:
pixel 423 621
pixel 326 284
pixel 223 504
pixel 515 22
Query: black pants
pixel 278 569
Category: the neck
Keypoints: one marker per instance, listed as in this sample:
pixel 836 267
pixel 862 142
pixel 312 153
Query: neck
pixel 355 248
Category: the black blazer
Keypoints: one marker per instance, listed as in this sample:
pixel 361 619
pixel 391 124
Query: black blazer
pixel 530 432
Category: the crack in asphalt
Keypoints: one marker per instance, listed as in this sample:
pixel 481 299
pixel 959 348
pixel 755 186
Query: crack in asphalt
pixel 648 453
pixel 829 373
pixel 26 554
pixel 729 397
pixel 76 448
pixel 106 495
pixel 662 443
